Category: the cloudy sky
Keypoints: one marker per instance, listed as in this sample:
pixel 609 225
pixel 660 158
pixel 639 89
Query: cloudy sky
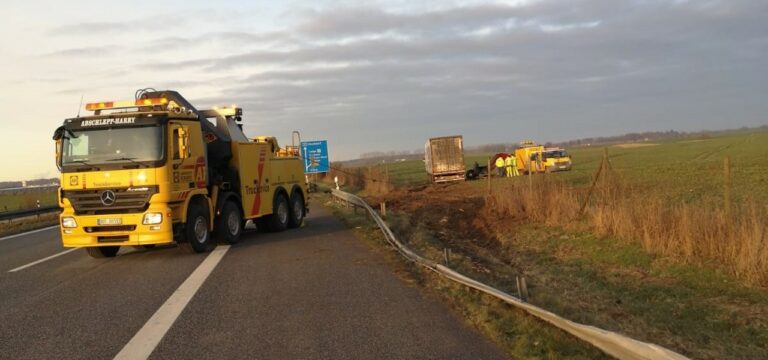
pixel 387 75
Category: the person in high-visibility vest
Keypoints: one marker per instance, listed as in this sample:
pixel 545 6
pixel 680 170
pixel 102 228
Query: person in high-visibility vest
pixel 514 166
pixel 508 164
pixel 500 166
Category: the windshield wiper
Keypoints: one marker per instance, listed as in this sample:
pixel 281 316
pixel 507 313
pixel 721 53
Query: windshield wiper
pixel 71 134
pixel 90 166
pixel 131 159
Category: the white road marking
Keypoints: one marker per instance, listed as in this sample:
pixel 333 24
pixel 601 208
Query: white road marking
pixel 145 341
pixel 42 260
pixel 28 232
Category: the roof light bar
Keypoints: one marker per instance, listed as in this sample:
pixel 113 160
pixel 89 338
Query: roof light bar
pixel 125 104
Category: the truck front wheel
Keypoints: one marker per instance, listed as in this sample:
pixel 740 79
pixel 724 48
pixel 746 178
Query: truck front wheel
pixel 100 252
pixel 197 238
pixel 229 225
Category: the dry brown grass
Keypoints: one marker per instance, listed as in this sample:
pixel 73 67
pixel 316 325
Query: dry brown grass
pixel 701 232
pixel 372 180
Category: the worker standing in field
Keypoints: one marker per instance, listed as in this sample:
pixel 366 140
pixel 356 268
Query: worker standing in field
pixel 513 161
pixel 508 163
pixel 500 166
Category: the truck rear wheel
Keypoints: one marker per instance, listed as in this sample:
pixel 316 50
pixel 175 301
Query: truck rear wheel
pixel 197 238
pixel 229 225
pixel 297 210
pixel 278 221
pixel 100 252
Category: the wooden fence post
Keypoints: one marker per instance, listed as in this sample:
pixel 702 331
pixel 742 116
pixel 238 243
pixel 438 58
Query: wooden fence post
pixel 592 188
pixel 530 177
pixel 727 186
pixel 489 176
pixel 604 165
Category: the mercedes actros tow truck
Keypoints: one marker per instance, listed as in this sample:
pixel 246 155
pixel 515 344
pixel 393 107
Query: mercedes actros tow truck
pixel 156 170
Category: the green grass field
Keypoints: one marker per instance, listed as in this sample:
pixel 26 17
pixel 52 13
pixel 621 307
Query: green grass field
pixel 26 199
pixel 687 169
pixel 680 170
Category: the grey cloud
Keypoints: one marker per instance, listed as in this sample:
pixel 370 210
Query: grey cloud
pixel 361 21
pixel 81 52
pixel 232 38
pixel 397 78
pixel 99 28
pixel 152 22
pixel 96 27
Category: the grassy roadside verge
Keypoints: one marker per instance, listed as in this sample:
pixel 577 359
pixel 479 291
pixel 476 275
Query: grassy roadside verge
pixel 31 223
pixel 519 335
pixel 699 311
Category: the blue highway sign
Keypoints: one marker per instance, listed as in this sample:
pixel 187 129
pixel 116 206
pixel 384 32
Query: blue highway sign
pixel 315 155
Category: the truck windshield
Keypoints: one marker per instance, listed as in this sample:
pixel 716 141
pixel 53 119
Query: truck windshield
pixel 110 147
pixel 556 154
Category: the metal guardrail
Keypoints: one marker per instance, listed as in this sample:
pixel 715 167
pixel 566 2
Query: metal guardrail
pixel 612 343
pixel 9 215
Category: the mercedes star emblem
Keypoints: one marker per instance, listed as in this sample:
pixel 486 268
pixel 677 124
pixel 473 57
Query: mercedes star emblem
pixel 108 197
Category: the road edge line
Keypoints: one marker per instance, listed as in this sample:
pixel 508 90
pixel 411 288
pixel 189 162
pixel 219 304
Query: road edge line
pixel 22 267
pixel 149 336
pixel 27 233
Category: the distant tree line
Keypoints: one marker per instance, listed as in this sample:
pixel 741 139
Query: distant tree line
pixel 652 136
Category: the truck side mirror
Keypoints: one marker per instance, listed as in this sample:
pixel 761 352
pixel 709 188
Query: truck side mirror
pixel 59 133
pixel 58 153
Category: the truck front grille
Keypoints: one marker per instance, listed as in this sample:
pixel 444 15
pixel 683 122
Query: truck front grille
pixel 117 228
pixel 120 238
pixel 126 200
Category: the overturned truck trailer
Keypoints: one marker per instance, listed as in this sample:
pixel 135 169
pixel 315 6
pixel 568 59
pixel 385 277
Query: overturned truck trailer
pixel 444 159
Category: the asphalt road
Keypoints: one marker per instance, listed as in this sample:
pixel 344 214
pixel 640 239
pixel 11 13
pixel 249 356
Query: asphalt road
pixel 310 293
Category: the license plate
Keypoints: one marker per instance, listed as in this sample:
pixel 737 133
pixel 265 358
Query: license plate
pixel 116 221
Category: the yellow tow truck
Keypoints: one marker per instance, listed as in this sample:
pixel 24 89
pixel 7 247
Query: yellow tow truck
pixel 535 158
pixel 156 170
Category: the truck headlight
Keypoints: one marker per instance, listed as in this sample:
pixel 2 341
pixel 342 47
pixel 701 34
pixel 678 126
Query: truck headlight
pixel 68 222
pixel 152 218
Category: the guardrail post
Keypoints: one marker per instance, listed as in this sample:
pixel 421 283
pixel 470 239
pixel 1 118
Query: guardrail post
pixel 383 210
pixel 525 289
pixel 522 288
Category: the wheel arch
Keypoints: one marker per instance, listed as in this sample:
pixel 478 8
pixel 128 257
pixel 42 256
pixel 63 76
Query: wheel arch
pixel 297 190
pixel 228 196
pixel 280 191
pixel 201 200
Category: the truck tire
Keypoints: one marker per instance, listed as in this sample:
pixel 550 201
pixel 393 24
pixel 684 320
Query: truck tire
pixel 297 210
pixel 229 225
pixel 197 238
pixel 278 221
pixel 100 252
